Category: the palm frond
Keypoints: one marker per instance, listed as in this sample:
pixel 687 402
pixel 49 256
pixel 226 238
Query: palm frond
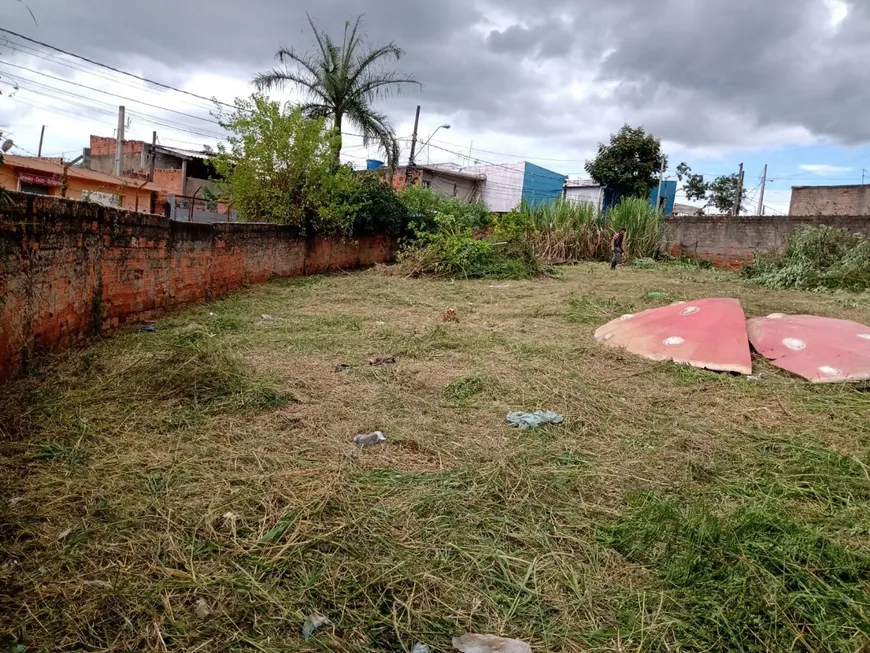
pixel 380 86
pixel 375 127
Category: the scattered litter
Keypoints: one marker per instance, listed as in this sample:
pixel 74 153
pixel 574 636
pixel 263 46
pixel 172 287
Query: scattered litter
pixel 753 378
pixel 212 314
pixel 364 440
pixel 380 323
pixel 312 623
pixel 507 285
pixel 266 317
pixel 342 367
pixel 14 501
pixel 420 648
pixel 534 420
pixel 102 584
pixel 149 328
pixel 382 360
pixel 656 293
pixel 450 315
pixel 64 534
pixel 489 644
pixel 230 518
pixel 202 609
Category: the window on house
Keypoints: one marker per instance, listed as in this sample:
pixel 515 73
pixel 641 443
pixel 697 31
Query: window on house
pixel 36 189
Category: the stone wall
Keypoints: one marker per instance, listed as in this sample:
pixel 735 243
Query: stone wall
pixel 830 200
pixel 728 241
pixel 70 270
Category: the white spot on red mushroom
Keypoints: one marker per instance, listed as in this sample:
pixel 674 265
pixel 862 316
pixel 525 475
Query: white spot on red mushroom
pixel 829 371
pixel 865 336
pixel 673 341
pixel 794 344
pixel 777 316
pixel 691 310
pixel 626 317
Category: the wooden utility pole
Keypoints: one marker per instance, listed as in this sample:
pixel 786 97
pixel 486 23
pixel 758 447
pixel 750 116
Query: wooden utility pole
pixel 119 143
pixel 761 196
pixel 661 179
pixel 153 156
pixel 412 159
pixel 41 136
pixel 738 199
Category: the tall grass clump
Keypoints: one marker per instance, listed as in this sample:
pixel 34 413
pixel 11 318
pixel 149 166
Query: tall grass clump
pixel 564 231
pixel 817 258
pixel 642 223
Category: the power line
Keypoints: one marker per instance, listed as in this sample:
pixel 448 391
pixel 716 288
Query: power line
pixel 97 90
pixel 117 70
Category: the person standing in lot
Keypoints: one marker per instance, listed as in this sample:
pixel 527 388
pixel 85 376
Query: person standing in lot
pixel 617 244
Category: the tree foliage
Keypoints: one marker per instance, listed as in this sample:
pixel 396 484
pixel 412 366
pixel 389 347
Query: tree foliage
pixel 720 193
pixel 342 80
pixel 279 166
pixel 630 165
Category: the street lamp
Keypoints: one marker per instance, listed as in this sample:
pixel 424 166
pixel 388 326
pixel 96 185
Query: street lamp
pixel 431 136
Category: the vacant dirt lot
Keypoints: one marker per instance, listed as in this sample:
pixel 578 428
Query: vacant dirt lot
pixel 196 489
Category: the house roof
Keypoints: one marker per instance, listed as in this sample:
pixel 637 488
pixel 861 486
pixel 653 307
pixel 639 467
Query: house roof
pixel 181 153
pixel 580 183
pixel 447 172
pixel 51 168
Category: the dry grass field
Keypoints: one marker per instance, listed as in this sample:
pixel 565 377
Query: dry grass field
pixel 197 489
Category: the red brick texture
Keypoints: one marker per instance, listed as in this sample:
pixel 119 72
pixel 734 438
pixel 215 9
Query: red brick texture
pixel 70 270
pixel 731 242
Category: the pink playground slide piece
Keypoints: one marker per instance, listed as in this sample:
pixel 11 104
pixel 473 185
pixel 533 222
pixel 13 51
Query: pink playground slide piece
pixel 707 333
pixel 820 349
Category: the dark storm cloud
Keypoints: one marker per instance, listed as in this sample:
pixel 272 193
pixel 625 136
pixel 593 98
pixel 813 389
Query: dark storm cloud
pixel 696 72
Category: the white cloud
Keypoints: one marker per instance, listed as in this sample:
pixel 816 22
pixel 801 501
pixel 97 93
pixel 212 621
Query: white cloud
pixel 824 170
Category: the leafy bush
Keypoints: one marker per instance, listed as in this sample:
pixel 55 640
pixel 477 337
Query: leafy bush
pixel 425 205
pixel 448 246
pixel 376 207
pixel 817 258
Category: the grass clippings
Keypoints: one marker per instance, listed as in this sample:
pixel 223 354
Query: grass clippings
pixel 197 488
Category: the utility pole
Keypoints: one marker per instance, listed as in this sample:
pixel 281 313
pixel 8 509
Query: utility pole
pixel 761 197
pixel 41 136
pixel 738 200
pixel 409 173
pixel 412 160
pixel 119 143
pixel 153 156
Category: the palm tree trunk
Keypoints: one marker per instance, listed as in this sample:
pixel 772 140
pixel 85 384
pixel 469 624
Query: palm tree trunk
pixel 338 136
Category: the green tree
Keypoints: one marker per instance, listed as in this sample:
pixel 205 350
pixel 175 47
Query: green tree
pixel 719 193
pixel 341 82
pixel 630 165
pixel 279 166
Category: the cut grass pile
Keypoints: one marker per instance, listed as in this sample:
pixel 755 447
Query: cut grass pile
pixel 211 464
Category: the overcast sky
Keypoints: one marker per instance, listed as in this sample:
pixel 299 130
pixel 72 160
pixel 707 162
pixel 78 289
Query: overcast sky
pixel 783 82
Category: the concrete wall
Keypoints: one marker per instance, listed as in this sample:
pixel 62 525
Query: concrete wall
pixel 503 188
pixel 586 194
pixel 830 200
pixel 462 188
pixel 70 270
pixel 728 241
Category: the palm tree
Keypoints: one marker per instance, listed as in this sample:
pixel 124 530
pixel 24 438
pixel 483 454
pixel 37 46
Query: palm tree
pixel 341 82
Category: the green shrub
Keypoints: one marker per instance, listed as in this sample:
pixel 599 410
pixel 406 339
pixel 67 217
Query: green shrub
pixel 425 205
pixel 817 258
pixel 378 208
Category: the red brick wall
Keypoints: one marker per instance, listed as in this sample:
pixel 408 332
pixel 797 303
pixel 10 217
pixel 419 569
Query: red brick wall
pixel 103 146
pixel 70 270
pixel 731 242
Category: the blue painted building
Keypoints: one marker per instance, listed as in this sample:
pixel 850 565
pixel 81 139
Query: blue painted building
pixel 666 199
pixel 507 185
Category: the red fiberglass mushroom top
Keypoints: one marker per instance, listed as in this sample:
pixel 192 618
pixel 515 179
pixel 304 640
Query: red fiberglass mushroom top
pixel 820 349
pixel 707 333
